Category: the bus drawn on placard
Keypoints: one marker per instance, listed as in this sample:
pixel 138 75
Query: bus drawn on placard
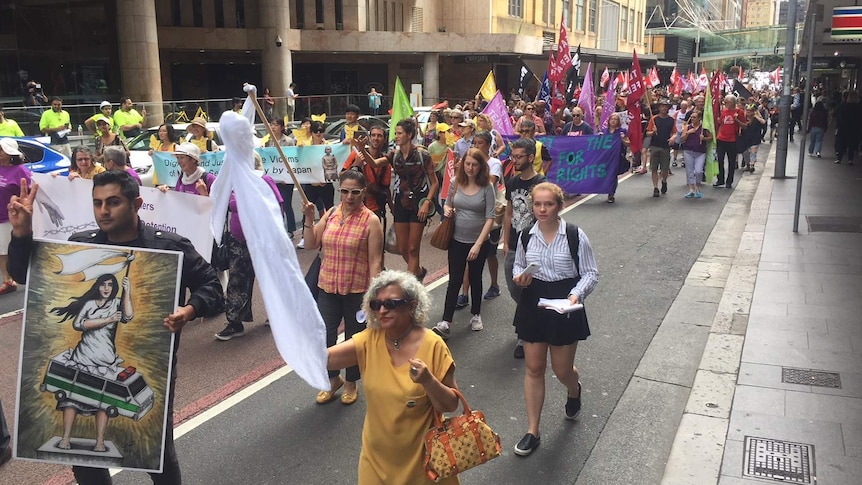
pixel 124 394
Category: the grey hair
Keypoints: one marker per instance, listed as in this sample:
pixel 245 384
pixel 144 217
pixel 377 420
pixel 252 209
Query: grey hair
pixel 115 154
pixel 730 97
pixel 410 286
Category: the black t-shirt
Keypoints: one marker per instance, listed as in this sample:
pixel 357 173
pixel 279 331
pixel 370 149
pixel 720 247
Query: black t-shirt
pixel 663 129
pixel 518 198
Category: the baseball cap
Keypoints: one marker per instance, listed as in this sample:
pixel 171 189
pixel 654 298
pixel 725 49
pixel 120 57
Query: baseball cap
pixel 10 147
pixel 189 149
pixel 104 103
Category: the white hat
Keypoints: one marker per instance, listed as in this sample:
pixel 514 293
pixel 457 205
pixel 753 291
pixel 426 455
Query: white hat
pixel 104 103
pixel 189 149
pixel 10 147
pixel 103 118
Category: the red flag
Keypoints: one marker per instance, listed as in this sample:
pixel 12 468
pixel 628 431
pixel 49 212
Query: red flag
pixel 554 71
pixel 674 76
pixel 741 73
pixel 636 85
pixel 715 91
pixel 703 80
pixel 620 80
pixel 564 53
pixel 653 77
pixel 606 76
pixel 775 76
pixel 636 90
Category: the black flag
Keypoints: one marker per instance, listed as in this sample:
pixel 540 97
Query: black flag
pixel 573 78
pixel 741 91
pixel 524 79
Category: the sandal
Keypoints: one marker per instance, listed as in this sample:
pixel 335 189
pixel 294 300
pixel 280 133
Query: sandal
pixel 324 397
pixel 8 287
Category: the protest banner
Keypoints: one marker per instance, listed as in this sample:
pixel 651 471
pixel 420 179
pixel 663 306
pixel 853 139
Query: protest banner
pixel 65 207
pixel 583 164
pixel 95 394
pixel 311 164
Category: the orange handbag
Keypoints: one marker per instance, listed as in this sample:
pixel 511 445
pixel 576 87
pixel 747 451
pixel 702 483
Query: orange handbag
pixel 459 443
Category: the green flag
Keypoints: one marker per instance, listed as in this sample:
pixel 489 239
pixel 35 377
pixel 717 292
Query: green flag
pixel 711 167
pixel 400 107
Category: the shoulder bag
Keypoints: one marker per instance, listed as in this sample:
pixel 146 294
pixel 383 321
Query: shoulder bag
pixel 459 443
pixel 444 232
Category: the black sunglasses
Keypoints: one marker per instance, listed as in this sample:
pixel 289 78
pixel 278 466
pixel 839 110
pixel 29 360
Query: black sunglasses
pixel 388 304
pixel 319 131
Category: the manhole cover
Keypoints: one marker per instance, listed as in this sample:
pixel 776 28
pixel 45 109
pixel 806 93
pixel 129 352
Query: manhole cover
pixel 778 460
pixel 810 377
pixel 834 224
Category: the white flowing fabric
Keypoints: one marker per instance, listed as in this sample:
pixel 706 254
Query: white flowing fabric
pixel 296 324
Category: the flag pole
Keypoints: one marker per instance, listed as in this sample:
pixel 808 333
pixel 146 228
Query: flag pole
pixel 251 94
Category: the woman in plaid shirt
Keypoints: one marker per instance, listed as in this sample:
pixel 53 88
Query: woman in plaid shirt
pixel 350 237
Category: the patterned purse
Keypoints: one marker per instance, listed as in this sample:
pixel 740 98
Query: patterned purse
pixel 459 443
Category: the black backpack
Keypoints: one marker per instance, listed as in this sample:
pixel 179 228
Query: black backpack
pixel 571 236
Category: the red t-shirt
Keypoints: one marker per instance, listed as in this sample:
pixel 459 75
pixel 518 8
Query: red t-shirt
pixel 727 127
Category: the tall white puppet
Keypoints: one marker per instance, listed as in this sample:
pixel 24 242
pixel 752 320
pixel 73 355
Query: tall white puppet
pixel 297 326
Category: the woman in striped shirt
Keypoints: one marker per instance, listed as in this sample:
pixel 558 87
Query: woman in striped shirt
pixel 351 240
pixel 557 276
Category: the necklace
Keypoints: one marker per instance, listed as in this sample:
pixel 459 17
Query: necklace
pixel 396 342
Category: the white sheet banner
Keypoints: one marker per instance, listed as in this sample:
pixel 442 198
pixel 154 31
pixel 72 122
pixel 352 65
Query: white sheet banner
pixel 65 207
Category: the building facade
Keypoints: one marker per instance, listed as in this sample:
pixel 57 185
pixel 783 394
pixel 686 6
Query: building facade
pixel 155 50
pixel 758 13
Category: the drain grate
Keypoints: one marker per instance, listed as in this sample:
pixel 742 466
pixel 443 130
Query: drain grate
pixel 810 377
pixel 834 224
pixel 778 460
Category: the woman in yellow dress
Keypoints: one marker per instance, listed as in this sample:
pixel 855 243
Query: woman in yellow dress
pixel 409 374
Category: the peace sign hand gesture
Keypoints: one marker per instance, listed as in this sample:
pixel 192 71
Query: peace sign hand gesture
pixel 21 210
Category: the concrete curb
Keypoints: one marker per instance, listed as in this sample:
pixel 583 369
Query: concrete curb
pixel 728 262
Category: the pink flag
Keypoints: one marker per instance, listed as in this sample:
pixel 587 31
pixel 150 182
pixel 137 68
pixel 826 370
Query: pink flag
pixel 496 109
pixel 608 108
pixel 587 100
pixel 606 76
pixel 703 81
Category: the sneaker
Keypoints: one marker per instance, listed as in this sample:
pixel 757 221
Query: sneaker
pixel 682 164
pixel 442 329
pixel 655 192
pixel 493 292
pixel 519 350
pixel 462 302
pixel 817 155
pixel 573 405
pixel 230 332
pixel 527 444
pixel 664 187
pixel 689 195
pixel 301 244
pixel 476 323
pixel 674 164
pixel 698 195
pixel 837 162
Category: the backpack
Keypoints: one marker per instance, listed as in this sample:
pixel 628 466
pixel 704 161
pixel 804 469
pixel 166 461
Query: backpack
pixel 571 236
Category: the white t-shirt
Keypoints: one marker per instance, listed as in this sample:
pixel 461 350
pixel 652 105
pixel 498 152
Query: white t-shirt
pixel 290 97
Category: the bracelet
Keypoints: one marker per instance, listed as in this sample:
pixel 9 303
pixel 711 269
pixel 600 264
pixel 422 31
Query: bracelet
pixel 307 226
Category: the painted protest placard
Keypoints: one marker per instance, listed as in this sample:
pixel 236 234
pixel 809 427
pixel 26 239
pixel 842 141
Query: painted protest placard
pixel 65 207
pixel 312 164
pixel 583 164
pixel 95 358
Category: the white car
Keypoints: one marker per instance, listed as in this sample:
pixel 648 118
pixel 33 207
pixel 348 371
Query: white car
pixel 139 147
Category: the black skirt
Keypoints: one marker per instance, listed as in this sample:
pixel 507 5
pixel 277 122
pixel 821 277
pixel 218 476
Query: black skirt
pixel 534 324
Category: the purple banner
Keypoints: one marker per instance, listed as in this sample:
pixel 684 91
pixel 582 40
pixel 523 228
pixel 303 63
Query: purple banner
pixel 496 109
pixel 583 164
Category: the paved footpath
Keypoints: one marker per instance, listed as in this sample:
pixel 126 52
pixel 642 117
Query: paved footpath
pixel 777 393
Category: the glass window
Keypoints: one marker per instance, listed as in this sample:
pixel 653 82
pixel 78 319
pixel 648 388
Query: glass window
pixel 219 13
pixel 197 13
pixel 567 13
pixel 116 390
pixel 339 14
pixel 318 11
pixel 579 15
pixel 624 17
pixel 137 385
pixel 593 16
pixel 240 14
pixel 631 25
pixel 516 8
pixel 300 14
pixel 176 13
pixel 549 11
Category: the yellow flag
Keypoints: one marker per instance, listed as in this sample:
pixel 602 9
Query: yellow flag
pixel 489 87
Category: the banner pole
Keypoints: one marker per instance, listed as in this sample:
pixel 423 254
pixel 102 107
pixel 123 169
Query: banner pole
pixel 259 110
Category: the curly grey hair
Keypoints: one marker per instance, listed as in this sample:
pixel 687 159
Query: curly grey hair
pixel 410 286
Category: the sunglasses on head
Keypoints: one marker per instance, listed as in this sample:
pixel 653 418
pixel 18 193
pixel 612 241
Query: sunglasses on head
pixel 389 304
pixel 353 192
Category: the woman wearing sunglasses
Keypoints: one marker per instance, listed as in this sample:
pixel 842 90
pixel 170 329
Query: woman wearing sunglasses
pixel 351 240
pixel 408 373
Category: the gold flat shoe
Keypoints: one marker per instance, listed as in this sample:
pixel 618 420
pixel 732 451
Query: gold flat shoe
pixel 348 398
pixel 324 397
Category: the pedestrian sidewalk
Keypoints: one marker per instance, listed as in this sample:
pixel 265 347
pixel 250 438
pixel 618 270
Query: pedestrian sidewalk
pixel 777 395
